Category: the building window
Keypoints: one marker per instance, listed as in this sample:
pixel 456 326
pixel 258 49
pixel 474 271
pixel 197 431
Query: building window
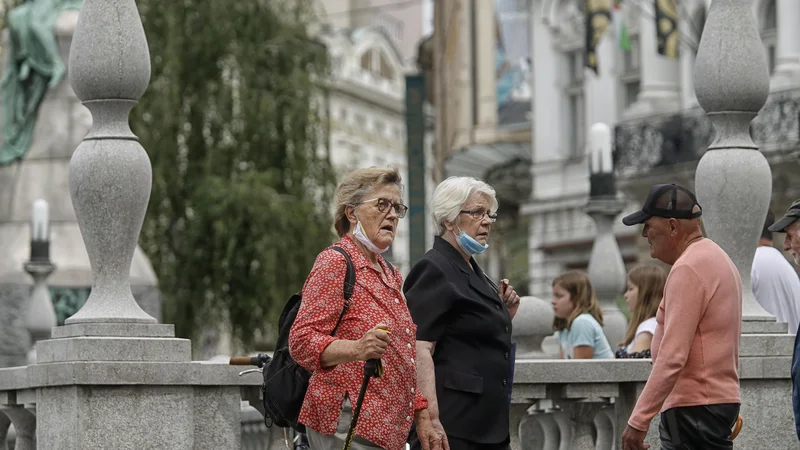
pixel 576 110
pixel 380 127
pixel 355 157
pixel 631 74
pixel 386 69
pixel 769 33
pixel 366 61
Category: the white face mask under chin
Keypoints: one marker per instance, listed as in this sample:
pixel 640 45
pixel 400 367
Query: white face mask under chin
pixel 361 236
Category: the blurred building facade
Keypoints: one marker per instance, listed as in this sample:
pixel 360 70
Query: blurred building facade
pixel 526 135
pixel 660 132
pixel 478 61
pixel 366 111
pixel 373 45
pixel 400 20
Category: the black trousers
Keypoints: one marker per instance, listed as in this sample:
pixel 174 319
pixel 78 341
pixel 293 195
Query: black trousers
pixel 704 427
pixel 461 444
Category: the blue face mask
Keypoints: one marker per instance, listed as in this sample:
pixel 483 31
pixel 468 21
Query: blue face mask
pixel 469 244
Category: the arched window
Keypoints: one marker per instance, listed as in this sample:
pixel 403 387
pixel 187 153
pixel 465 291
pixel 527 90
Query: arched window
pixel 769 31
pixel 366 61
pixel 386 69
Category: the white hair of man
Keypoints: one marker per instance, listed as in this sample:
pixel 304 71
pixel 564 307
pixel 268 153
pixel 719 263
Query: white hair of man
pixel 452 194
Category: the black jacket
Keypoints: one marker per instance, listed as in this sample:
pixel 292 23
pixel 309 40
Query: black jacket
pixel 456 307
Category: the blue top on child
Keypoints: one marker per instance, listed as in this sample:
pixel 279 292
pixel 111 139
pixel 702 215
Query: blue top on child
pixel 585 330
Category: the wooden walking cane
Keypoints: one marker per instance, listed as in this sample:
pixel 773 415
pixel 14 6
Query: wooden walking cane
pixel 372 368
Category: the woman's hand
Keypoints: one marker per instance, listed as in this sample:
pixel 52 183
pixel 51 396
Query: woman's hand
pixel 373 343
pixel 431 432
pixel 509 297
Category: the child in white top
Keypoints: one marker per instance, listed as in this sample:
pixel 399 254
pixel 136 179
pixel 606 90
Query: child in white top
pixel 644 294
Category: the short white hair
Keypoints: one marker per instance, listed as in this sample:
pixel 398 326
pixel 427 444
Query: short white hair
pixel 451 195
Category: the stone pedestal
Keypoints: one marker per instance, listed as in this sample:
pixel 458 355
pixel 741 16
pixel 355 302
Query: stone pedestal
pixel 62 122
pixel 131 386
pixel 113 377
pixel 606 268
pixel 733 180
pixel 40 316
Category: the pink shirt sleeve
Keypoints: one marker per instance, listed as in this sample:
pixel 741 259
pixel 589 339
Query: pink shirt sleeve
pixel 684 304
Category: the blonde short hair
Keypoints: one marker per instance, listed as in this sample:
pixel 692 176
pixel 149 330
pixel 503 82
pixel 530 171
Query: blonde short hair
pixel 355 186
pixel 451 195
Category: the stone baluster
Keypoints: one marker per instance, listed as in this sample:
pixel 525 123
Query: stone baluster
pixel 606 268
pixel 531 435
pixel 5 424
pixel 605 429
pixel 110 174
pixel 40 316
pixel 552 437
pixel 532 324
pixel 565 430
pixel 581 416
pixel 733 179
pixel 24 425
pixel 610 412
pixel 517 413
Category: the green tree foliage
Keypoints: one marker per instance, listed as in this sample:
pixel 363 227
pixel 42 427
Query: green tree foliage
pixel 241 190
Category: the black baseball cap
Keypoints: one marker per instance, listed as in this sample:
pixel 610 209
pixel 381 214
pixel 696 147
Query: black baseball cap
pixel 670 201
pixel 791 215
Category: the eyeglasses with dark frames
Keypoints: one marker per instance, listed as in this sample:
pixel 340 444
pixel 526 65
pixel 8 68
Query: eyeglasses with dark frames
pixel 478 214
pixel 384 205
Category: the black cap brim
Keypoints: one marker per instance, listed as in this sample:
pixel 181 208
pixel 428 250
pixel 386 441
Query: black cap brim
pixel 780 225
pixel 635 218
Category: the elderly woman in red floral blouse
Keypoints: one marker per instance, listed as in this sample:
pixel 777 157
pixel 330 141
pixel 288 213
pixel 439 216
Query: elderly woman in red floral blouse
pixel 368 206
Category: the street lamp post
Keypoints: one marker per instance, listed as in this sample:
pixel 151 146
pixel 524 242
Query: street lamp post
pixel 40 316
pixel 606 268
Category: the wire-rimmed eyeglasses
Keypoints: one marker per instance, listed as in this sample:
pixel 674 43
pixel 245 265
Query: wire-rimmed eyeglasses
pixel 384 205
pixel 478 214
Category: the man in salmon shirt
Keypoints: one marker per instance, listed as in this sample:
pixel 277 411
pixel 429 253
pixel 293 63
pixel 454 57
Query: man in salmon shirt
pixel 694 382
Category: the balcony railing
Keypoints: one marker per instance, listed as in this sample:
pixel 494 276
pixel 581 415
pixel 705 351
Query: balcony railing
pixel 647 143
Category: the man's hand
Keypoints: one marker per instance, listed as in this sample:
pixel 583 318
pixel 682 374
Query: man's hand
pixel 633 439
pixel 431 433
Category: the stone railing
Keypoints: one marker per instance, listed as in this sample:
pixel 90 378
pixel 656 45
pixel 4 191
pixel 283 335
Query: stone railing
pixel 585 404
pixel 556 404
pixel 21 386
pixel 255 434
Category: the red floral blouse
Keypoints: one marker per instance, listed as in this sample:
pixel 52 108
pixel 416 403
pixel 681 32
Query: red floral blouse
pixel 390 401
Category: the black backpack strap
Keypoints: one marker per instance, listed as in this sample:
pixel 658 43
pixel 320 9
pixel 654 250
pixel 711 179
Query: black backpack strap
pixel 391 267
pixel 349 284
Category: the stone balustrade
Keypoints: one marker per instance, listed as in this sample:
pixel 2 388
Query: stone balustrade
pixel 556 404
pixel 217 387
pixel 585 404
